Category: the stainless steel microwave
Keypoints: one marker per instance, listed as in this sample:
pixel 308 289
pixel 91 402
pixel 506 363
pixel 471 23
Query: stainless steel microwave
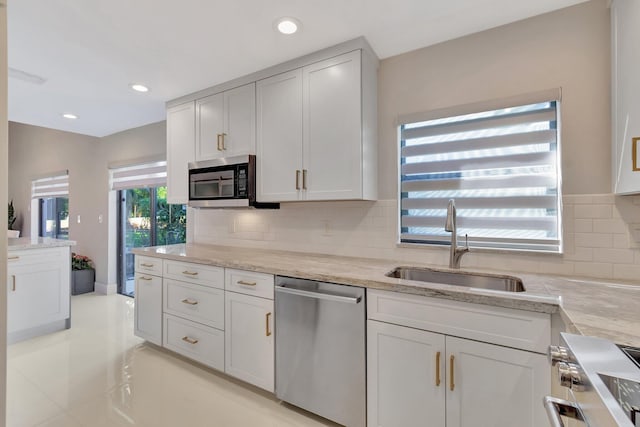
pixel 225 183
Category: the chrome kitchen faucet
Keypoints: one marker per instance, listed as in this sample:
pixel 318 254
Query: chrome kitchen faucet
pixel 455 253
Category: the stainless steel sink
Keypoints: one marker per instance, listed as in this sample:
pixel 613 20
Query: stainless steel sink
pixel 458 278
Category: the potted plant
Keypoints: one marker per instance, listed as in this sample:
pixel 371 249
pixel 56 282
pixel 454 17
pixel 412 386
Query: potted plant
pixel 82 274
pixel 12 219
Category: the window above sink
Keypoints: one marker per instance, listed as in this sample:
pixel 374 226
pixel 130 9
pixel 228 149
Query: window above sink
pixel 499 160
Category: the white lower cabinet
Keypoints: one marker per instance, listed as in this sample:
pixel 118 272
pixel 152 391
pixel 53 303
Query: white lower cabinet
pixel 249 339
pixel 489 385
pixel 405 378
pixel 418 377
pixel 148 308
pixel 37 290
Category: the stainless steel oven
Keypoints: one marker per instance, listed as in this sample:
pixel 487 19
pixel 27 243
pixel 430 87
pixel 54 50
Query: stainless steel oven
pixel 225 183
pixel 603 382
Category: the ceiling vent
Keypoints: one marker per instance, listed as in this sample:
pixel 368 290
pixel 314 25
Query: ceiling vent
pixel 26 77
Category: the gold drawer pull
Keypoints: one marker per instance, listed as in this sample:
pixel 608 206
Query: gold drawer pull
pixel 13 281
pixel 13 258
pixel 190 302
pixel 190 273
pixel 297 179
pixel 145 278
pixel 451 381
pixel 223 146
pixel 304 179
pixel 438 369
pixel 191 341
pixel 146 265
pixel 267 331
pixel 242 282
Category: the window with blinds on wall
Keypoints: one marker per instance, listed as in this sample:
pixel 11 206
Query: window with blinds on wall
pixel 499 161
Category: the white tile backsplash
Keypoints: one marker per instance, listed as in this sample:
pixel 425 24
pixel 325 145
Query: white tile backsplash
pixel 599 239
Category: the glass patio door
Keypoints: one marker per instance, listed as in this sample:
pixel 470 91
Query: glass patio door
pixel 146 219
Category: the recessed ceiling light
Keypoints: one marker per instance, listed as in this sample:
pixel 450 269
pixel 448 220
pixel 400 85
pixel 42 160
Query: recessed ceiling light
pixel 69 116
pixel 288 25
pixel 138 87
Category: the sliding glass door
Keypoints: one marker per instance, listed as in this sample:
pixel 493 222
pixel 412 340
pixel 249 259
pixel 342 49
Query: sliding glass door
pixel 145 219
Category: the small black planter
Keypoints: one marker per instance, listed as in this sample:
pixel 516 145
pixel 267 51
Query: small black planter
pixel 82 281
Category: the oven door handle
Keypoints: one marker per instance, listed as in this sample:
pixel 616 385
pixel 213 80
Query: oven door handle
pixel 559 407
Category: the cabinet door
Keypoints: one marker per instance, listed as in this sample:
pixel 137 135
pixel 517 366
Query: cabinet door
pixel 249 351
pixel 209 127
pixel 403 368
pixel 495 386
pixel 332 147
pixel 180 151
pixel 148 308
pixel 279 137
pixel 240 121
pixel 37 294
pixel 625 25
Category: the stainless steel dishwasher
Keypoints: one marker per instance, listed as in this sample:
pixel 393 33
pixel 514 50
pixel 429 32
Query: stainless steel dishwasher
pixel 320 348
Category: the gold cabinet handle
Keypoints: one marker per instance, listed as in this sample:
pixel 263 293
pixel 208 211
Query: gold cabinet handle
pixel 190 302
pixel 13 282
pixel 297 179
pixel 146 265
pixel 304 179
pixel 438 369
pixel 452 384
pixel 223 146
pixel 191 341
pixel 190 273
pixel 145 278
pixel 219 149
pixel 267 330
pixel 242 282
pixel 13 258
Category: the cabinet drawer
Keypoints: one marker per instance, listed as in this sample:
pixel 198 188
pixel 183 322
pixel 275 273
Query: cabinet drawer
pixel 498 325
pixel 148 265
pixel 37 256
pixel 194 302
pixel 195 341
pixel 249 283
pixel 205 275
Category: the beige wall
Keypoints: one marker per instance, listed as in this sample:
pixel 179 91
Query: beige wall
pixel 569 48
pixel 35 151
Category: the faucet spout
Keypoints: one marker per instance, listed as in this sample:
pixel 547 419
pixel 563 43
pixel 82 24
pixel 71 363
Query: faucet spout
pixel 455 253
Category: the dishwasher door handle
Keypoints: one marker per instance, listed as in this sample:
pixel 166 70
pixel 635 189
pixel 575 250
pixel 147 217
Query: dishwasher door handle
pixel 318 295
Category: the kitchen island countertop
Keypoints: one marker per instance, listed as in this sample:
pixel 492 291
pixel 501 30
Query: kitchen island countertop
pixel 605 309
pixel 36 243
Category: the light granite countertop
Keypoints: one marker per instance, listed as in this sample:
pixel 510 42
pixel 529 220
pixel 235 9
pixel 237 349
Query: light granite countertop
pixel 36 243
pixel 604 309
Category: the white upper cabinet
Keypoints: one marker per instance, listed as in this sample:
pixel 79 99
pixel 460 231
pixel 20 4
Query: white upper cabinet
pixel 332 124
pixel 316 131
pixel 226 123
pixel 625 25
pixel 181 127
pixel 279 139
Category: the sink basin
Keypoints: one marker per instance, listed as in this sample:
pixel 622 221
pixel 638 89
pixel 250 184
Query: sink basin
pixel 472 280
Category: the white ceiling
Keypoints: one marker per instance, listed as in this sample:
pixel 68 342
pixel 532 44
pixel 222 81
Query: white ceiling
pixel 89 51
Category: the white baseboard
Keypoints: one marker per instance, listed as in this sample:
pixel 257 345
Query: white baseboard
pixel 106 288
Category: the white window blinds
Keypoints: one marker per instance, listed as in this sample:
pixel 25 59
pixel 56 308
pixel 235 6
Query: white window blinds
pixel 55 185
pixel 152 174
pixel 500 165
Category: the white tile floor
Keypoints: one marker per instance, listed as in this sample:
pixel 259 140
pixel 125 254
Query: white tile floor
pixel 99 374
